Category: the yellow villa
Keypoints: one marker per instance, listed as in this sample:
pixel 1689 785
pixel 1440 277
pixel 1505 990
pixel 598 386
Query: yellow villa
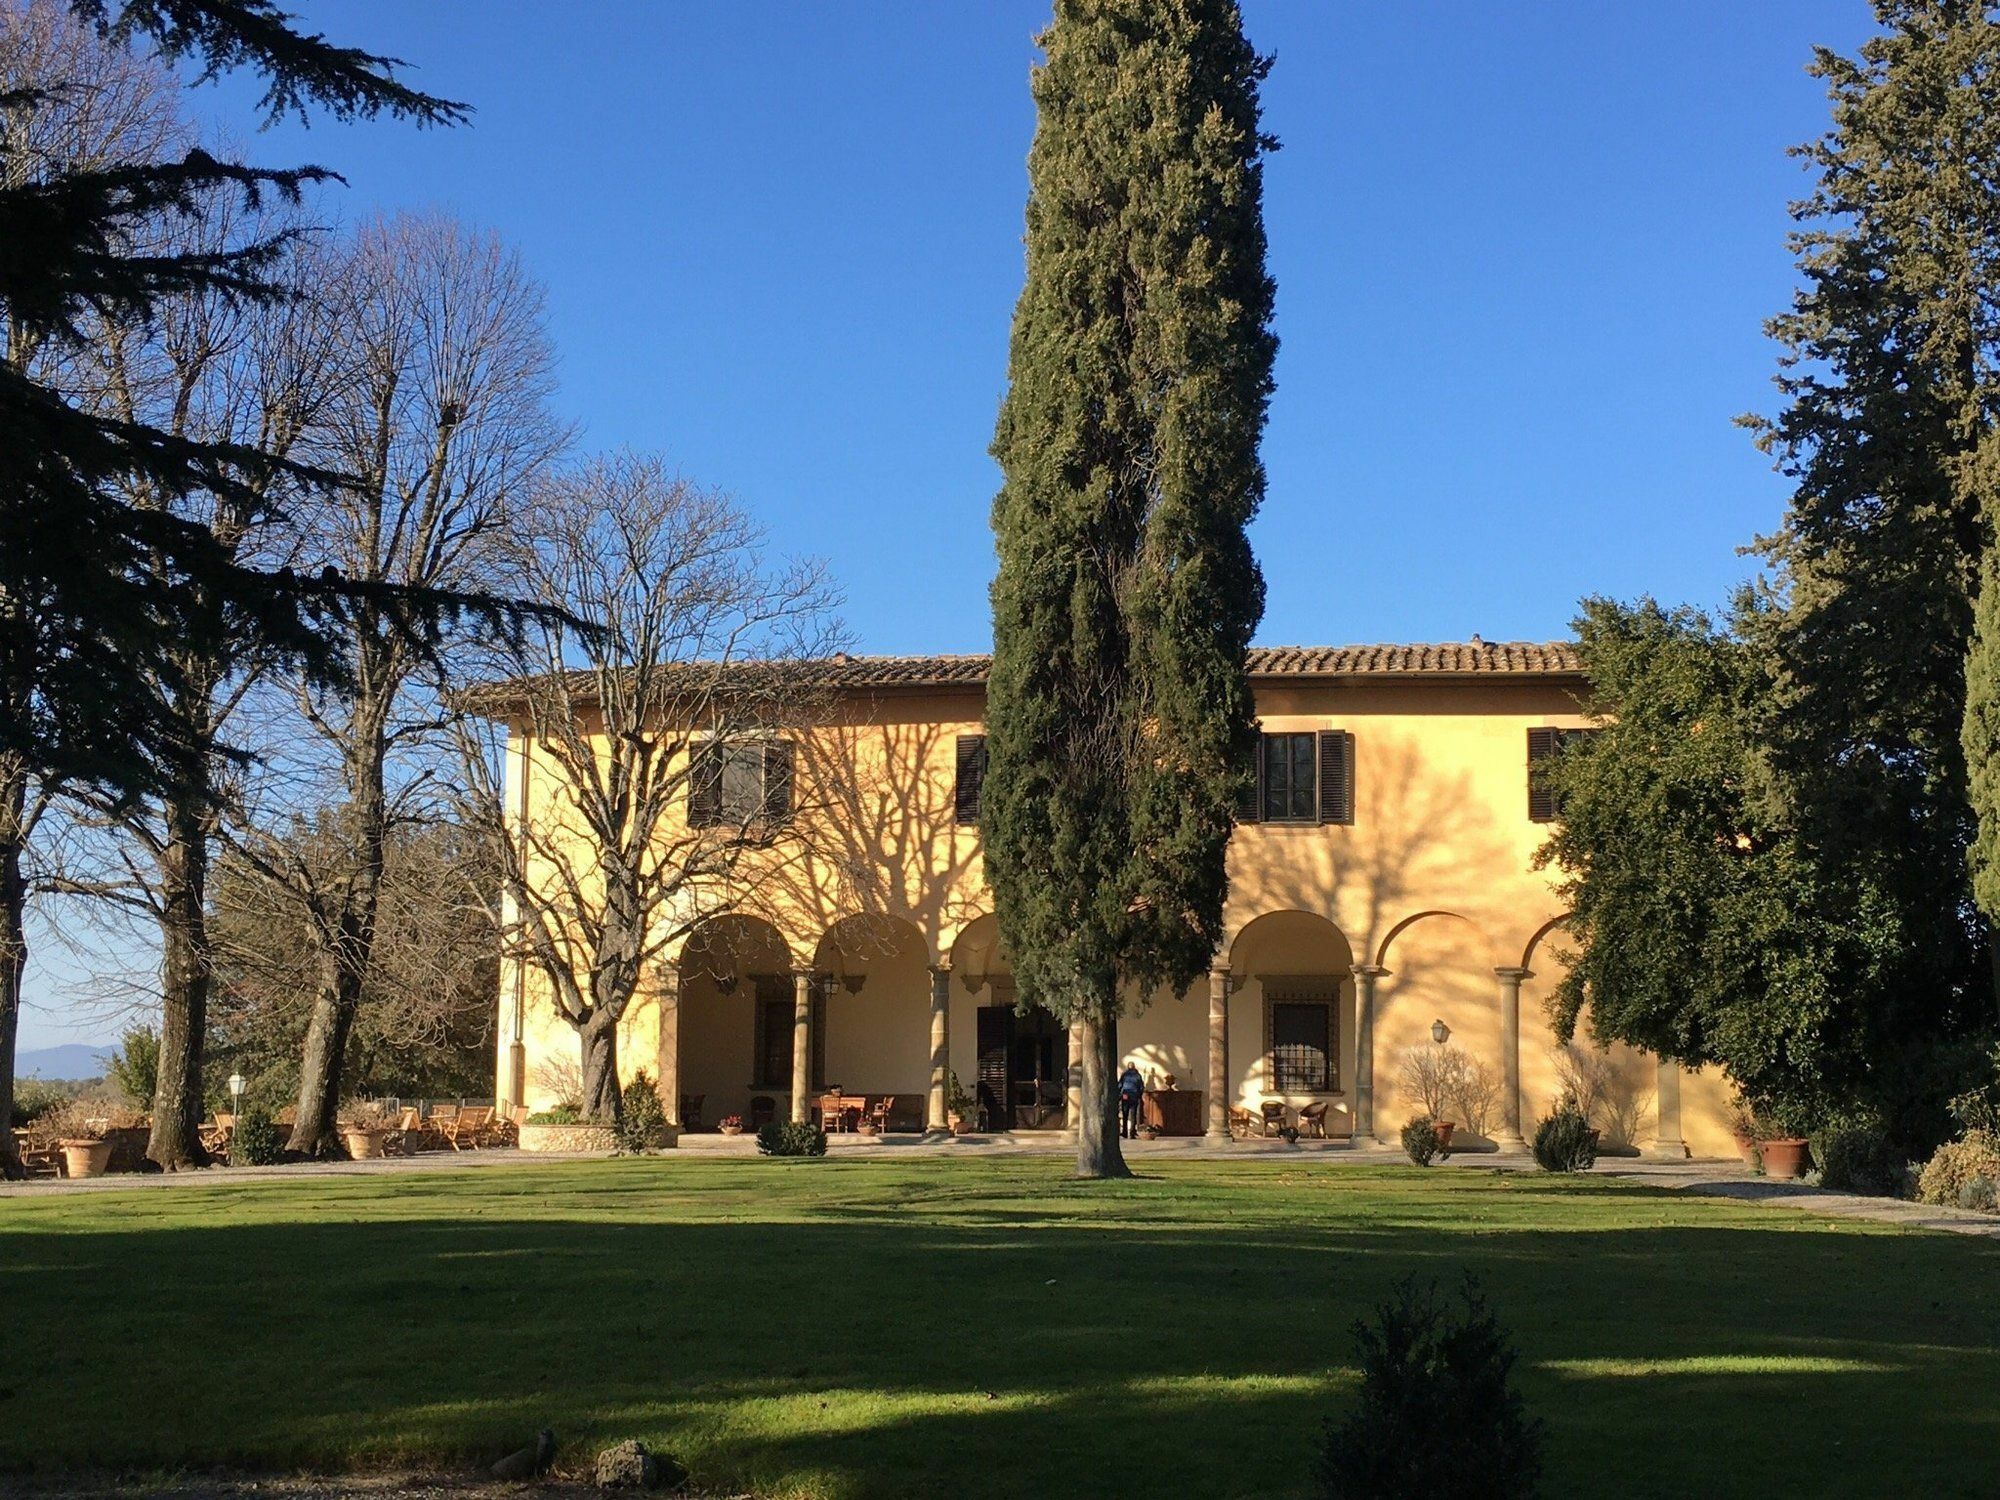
pixel 1383 898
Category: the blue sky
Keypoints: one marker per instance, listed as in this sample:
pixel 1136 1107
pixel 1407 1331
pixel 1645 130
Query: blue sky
pixel 1523 255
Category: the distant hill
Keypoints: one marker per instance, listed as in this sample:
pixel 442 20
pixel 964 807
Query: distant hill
pixel 72 1060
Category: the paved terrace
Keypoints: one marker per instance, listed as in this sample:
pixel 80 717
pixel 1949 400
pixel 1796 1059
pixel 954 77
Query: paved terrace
pixel 1712 1177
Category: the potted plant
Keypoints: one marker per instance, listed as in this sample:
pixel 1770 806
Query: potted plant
pixel 1743 1129
pixel 960 1108
pixel 730 1125
pixel 1444 1128
pixel 365 1133
pixel 1149 1132
pixel 82 1139
pixel 1780 1148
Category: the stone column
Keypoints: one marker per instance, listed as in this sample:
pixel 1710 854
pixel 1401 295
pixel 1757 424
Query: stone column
pixel 1365 976
pixel 802 1052
pixel 934 1113
pixel 1218 1053
pixel 668 1069
pixel 1510 1056
pixel 1073 1095
pixel 1669 1146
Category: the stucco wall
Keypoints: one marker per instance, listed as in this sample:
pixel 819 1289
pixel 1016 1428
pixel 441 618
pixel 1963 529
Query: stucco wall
pixel 1433 880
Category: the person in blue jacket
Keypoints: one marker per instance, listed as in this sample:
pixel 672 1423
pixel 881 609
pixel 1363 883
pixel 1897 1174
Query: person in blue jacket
pixel 1131 1089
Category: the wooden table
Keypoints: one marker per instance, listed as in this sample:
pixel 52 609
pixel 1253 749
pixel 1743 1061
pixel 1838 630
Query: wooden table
pixel 1173 1111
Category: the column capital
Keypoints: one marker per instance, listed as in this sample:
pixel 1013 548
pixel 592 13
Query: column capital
pixel 1368 971
pixel 942 966
pixel 1515 974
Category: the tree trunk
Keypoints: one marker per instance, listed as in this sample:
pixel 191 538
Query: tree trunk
pixel 599 1036
pixel 315 1131
pixel 1098 1153
pixel 13 949
pixel 184 976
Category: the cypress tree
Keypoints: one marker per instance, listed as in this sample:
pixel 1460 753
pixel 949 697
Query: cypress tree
pixel 1119 714
pixel 1878 735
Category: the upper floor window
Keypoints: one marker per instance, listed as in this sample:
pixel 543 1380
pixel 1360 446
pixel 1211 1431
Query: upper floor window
pixel 735 783
pixel 1302 777
pixel 970 788
pixel 1544 806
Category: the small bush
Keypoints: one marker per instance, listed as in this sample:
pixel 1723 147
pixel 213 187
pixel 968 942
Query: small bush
pixel 1857 1158
pixel 135 1067
pixel 791 1140
pixel 1437 1414
pixel 1978 1194
pixel 1564 1141
pixel 562 1114
pixel 642 1120
pixel 36 1097
pixel 256 1141
pixel 1420 1140
pixel 1957 1163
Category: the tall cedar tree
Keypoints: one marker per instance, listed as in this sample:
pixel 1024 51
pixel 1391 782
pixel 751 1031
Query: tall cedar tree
pixel 93 587
pixel 1888 375
pixel 1119 714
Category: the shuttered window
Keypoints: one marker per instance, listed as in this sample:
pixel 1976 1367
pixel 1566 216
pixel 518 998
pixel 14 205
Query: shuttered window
pixel 971 784
pixel 1302 777
pixel 736 785
pixel 1544 806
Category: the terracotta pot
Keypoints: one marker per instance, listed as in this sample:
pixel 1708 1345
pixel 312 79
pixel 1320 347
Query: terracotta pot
pixel 86 1158
pixel 1746 1147
pixel 1784 1156
pixel 730 1129
pixel 363 1145
pixel 1444 1128
pixel 1148 1133
pixel 960 1125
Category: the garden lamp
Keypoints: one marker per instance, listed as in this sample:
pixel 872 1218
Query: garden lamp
pixel 1440 1032
pixel 236 1087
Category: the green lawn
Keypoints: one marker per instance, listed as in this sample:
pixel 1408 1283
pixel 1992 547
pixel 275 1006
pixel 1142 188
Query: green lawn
pixel 970 1328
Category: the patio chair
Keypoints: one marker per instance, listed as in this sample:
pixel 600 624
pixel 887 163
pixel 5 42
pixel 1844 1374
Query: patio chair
pixel 832 1113
pixel 1274 1117
pixel 462 1129
pixel 1312 1119
pixel 878 1113
pixel 504 1129
pixel 691 1110
pixel 215 1135
pixel 405 1134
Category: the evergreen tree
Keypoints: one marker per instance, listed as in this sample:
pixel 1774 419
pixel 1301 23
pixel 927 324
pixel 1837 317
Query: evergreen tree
pixel 1887 430
pixel 1119 714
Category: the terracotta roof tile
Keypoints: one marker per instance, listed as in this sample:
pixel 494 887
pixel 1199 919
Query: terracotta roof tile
pixel 1456 658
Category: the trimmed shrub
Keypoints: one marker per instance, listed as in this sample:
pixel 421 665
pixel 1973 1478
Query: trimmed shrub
pixel 642 1120
pixel 1956 1164
pixel 1564 1141
pixel 562 1114
pixel 791 1140
pixel 1437 1414
pixel 1420 1140
pixel 1978 1194
pixel 1857 1158
pixel 256 1141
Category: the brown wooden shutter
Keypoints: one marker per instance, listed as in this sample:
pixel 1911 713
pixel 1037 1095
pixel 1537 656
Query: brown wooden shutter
pixel 996 1044
pixel 1336 777
pixel 1542 743
pixel 705 785
pixel 777 780
pixel 971 779
pixel 1250 800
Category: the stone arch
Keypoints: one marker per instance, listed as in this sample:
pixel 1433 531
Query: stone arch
pixel 874 1012
pixel 735 978
pixel 1541 932
pixel 1291 957
pixel 1437 966
pixel 1389 938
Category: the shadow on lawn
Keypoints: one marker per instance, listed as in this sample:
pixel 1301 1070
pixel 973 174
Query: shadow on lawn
pixel 946 1345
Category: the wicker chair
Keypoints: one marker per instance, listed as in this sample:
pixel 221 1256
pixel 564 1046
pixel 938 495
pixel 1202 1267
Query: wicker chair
pixel 1274 1117
pixel 1312 1119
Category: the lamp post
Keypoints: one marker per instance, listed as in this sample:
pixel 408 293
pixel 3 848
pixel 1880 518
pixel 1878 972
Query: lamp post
pixel 236 1087
pixel 1440 1033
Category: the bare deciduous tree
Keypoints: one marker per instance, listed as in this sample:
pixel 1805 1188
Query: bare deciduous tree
pixel 440 415
pixel 660 734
